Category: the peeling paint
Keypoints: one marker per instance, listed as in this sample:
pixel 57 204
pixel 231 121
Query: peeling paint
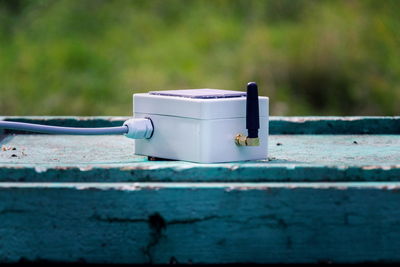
pixel 293 222
pixel 84 169
pixel 319 197
pixel 40 169
pixel 302 157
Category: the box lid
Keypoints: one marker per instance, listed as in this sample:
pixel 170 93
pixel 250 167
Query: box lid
pixel 196 103
pixel 200 93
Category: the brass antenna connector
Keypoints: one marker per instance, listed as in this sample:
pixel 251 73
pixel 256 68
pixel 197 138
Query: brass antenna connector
pixel 242 140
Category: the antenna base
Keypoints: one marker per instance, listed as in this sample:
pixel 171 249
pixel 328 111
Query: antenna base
pixel 242 140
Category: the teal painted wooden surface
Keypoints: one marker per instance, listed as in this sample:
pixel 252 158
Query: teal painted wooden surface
pixel 323 196
pixel 278 125
pixel 200 222
pixel 296 158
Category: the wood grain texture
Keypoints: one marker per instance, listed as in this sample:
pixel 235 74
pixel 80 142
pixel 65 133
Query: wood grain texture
pixel 200 222
pixel 328 193
pixel 56 158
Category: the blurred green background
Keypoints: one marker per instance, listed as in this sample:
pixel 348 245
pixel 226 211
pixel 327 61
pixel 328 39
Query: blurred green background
pixel 87 57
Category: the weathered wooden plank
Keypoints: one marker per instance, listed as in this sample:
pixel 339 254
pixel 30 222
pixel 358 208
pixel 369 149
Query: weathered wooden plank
pixel 111 159
pixel 335 125
pixel 278 125
pixel 200 222
pixel 77 198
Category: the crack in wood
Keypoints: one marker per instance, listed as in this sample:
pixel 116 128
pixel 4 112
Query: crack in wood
pixel 116 219
pixel 195 220
pixel 12 211
pixel 157 225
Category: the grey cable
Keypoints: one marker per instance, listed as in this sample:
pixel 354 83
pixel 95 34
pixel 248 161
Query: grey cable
pixel 62 130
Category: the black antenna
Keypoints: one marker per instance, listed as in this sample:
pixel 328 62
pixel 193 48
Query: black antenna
pixel 252 112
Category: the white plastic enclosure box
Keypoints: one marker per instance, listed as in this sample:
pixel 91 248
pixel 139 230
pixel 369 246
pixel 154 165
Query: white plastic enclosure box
pixel 199 125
